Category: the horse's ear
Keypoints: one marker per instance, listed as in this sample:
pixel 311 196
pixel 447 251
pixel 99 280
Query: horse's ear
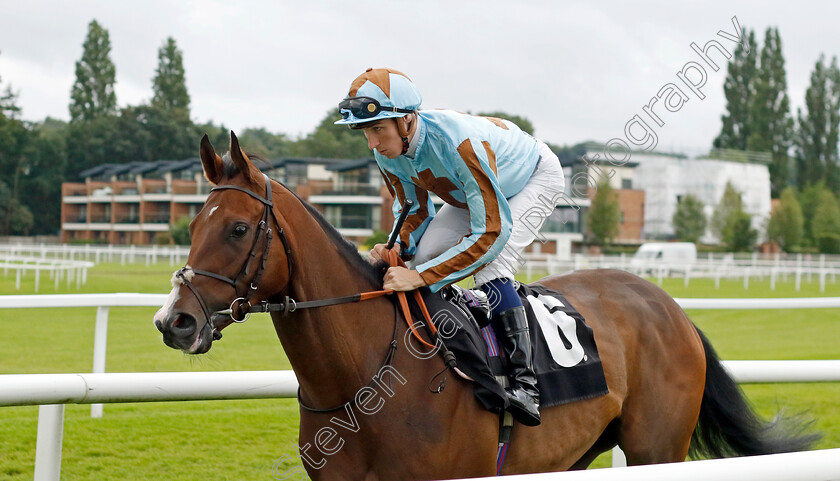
pixel 240 160
pixel 211 161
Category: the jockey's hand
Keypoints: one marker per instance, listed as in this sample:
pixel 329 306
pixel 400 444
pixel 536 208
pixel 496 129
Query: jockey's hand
pixel 402 279
pixel 380 251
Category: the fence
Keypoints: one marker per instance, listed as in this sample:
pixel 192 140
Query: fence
pixel 97 253
pixel 53 391
pixel 58 389
pixel 72 270
pixel 103 302
pixel 805 466
pixel 716 266
pixel 712 266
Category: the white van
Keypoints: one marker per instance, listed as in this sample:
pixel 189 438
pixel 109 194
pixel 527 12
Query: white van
pixel 670 256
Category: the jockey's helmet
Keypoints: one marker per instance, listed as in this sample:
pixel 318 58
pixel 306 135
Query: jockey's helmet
pixel 378 93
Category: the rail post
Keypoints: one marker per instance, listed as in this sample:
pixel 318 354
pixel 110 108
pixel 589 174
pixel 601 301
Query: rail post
pixel 100 347
pixel 48 445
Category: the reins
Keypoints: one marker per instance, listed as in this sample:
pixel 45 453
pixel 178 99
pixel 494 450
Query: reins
pixel 289 305
pixel 242 305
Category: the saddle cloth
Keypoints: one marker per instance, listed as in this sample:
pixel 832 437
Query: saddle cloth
pixel 566 359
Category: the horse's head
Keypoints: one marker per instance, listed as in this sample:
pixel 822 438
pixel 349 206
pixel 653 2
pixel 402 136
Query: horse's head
pixel 229 265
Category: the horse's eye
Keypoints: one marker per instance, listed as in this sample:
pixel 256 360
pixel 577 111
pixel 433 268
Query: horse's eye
pixel 239 230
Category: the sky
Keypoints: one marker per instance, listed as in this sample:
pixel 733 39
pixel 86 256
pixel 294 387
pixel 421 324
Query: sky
pixel 578 70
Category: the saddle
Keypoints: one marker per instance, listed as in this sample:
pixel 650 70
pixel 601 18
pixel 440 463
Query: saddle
pixel 566 359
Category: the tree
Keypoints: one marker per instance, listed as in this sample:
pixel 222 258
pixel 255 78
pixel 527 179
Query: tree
pixel 93 135
pixel 786 223
pixel 769 120
pixel 169 84
pixel 15 218
pixel 94 142
pixel 332 141
pixel 266 144
pixel 8 102
pixel 167 119
pixel 731 224
pixel 378 237
pixel 739 89
pixel 729 205
pixel 809 199
pixel 93 94
pixel 738 234
pixel 219 135
pixel 689 219
pixel 46 164
pixel 180 231
pixel 520 121
pixel 171 136
pixel 817 136
pixel 826 225
pixel 603 214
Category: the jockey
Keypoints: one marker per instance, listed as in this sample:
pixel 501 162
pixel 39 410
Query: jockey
pixel 489 173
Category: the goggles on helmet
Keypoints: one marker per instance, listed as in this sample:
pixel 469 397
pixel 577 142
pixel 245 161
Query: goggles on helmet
pixel 365 108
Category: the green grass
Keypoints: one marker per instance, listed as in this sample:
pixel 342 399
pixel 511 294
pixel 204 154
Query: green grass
pixel 242 439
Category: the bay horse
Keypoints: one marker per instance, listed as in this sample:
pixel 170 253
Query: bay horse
pixel 362 418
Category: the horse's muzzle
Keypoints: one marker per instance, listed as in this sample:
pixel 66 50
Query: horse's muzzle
pixel 180 331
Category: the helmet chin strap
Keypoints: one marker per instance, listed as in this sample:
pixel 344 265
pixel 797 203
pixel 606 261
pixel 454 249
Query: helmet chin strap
pixel 405 131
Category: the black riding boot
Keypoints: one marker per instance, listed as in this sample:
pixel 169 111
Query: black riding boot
pixel 523 396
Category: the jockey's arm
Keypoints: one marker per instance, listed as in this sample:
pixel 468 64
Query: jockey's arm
pixel 490 220
pixel 419 216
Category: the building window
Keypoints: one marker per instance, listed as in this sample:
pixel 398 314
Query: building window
pixel 295 174
pixel 627 183
pixel 564 220
pixel 350 216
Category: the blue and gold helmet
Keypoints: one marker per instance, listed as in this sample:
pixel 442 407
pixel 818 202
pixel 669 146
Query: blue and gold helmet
pixel 377 94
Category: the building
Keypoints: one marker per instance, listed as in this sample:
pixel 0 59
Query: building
pixel 584 168
pixel 131 203
pixel 136 203
pixel 667 178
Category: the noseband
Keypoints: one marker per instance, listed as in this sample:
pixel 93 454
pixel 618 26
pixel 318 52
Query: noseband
pixel 242 303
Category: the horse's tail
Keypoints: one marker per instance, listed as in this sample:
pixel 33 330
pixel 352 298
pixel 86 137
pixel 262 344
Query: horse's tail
pixel 728 426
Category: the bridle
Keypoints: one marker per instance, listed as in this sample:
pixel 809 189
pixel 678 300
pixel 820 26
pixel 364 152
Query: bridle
pixel 242 304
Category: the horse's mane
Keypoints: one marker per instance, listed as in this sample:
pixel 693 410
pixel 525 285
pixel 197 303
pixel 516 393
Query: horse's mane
pixel 373 273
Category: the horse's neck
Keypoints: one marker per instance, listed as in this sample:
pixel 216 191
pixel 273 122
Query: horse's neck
pixel 333 350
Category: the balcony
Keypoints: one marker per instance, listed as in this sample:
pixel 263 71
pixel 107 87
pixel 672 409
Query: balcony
pixel 353 222
pixel 347 194
pixel 100 218
pixel 157 218
pixel 181 187
pixel 75 190
pixel 346 189
pixel 155 189
pixel 127 219
pixel 125 189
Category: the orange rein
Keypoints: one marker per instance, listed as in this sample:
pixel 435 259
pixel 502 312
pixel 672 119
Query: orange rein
pixel 395 261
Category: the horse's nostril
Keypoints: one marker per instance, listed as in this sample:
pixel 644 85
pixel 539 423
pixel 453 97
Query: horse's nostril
pixel 184 323
pixel 159 325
